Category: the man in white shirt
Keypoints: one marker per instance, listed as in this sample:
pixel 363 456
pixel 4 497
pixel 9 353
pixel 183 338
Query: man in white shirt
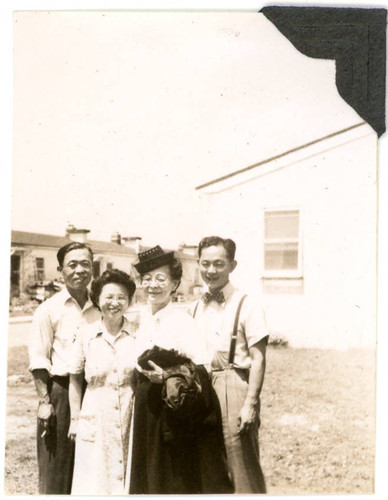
pixel 53 330
pixel 237 366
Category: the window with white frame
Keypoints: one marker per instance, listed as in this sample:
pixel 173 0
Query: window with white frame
pixel 282 246
pixel 39 269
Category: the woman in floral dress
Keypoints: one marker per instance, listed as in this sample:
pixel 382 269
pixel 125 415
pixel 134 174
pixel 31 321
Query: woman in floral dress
pixel 104 351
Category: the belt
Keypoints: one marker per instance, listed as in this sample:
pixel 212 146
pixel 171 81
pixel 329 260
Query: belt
pixel 62 380
pixel 231 367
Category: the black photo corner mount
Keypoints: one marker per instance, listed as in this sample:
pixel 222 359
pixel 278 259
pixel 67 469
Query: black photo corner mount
pixel 355 38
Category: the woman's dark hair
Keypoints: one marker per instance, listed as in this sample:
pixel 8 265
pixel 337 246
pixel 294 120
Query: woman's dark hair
pixel 111 276
pixel 176 272
pixel 74 245
pixel 210 241
pixel 176 269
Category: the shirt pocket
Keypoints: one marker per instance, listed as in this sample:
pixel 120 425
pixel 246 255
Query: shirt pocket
pixel 87 428
pixel 221 339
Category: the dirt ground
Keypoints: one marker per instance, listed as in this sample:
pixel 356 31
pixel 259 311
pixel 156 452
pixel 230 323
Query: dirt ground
pixel 317 422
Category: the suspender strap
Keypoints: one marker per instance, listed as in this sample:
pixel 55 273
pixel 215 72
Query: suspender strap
pixel 195 309
pixel 233 340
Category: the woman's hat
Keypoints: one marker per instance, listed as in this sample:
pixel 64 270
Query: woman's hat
pixel 152 259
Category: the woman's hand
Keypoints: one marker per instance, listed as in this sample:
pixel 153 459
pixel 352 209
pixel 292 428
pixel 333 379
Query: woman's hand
pixel 155 375
pixel 72 434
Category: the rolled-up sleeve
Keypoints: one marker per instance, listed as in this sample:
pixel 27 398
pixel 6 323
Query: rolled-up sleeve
pixel 41 340
pixel 253 320
pixel 77 355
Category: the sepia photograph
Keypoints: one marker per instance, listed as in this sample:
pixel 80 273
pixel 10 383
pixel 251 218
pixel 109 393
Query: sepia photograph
pixel 194 295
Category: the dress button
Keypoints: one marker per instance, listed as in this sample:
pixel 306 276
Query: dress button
pixel 116 407
pixel 116 388
pixel 115 370
pixel 120 461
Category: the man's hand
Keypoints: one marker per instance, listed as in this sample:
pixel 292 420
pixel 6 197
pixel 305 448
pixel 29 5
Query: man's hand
pixel 250 408
pixel 45 412
pixel 72 434
pixel 246 418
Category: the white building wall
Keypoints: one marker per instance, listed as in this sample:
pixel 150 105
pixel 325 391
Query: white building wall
pixel 50 262
pixel 190 275
pixel 49 255
pixel 118 261
pixel 335 191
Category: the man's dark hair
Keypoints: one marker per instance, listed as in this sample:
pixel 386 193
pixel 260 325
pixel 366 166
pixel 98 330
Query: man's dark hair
pixel 74 245
pixel 112 276
pixel 210 241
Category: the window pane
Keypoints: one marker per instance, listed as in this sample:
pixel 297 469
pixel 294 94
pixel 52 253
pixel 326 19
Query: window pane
pixel 282 224
pixel 39 273
pixel 40 263
pixel 96 269
pixel 281 257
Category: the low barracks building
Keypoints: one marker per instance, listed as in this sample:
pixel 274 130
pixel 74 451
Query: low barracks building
pixel 34 258
pixel 305 227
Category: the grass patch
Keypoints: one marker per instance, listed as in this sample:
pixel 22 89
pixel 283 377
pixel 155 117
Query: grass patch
pixel 318 421
pixel 21 470
pixel 317 431
pixel 18 361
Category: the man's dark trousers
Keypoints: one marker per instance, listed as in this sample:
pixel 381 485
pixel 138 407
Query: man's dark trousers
pixel 55 449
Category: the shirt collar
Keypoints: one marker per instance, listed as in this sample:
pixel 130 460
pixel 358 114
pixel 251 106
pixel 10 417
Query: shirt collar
pixel 162 312
pixel 100 328
pixel 67 296
pixel 228 290
pixel 64 294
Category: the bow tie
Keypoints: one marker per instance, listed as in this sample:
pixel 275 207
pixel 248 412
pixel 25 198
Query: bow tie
pixel 217 296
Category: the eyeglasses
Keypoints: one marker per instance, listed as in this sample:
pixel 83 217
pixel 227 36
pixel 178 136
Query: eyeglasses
pixel 112 298
pixel 160 279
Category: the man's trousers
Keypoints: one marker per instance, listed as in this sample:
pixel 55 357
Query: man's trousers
pixel 242 451
pixel 55 449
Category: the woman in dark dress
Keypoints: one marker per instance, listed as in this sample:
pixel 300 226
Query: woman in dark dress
pixel 177 444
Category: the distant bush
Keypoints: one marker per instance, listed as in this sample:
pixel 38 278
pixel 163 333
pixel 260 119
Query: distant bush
pixel 22 306
pixel 277 341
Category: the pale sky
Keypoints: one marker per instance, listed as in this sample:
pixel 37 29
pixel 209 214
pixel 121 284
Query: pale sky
pixel 118 116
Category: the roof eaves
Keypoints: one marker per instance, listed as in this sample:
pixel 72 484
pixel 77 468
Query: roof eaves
pixel 268 160
pixel 49 240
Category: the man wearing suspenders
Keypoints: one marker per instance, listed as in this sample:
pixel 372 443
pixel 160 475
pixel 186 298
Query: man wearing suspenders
pixel 236 338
